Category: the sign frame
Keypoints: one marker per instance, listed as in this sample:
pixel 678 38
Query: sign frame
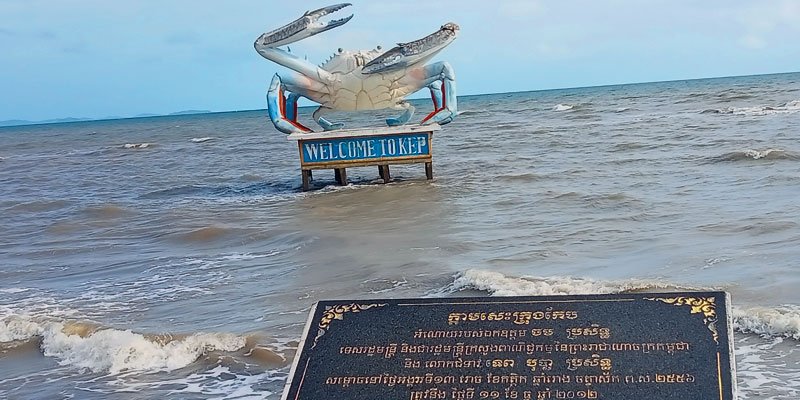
pixel 707 313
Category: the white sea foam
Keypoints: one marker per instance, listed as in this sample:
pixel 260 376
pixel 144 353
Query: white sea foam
pixel 17 327
pixel 215 382
pixel 201 139
pixel 220 382
pixel 498 284
pixel 781 321
pixel 14 290
pixel 137 145
pixel 787 108
pixel 758 154
pixel 249 256
pixel 761 369
pixel 563 107
pixel 171 280
pixel 112 350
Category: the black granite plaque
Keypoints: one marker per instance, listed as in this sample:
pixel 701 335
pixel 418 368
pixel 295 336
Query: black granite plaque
pixel 620 347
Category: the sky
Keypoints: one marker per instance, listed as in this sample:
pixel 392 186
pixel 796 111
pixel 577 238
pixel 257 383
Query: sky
pixel 115 58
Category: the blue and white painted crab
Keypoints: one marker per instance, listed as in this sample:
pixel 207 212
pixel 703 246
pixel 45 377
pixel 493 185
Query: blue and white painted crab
pixel 356 80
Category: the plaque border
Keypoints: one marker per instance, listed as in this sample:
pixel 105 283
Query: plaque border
pixel 406 302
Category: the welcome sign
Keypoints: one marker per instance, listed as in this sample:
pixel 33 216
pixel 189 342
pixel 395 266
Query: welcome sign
pixel 362 146
pixel 382 147
pixel 366 148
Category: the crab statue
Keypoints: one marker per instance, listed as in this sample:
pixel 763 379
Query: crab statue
pixel 356 80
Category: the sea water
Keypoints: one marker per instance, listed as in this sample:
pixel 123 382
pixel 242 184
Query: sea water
pixel 177 258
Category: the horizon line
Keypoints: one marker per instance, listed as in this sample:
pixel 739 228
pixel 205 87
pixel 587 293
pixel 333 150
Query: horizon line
pixel 66 120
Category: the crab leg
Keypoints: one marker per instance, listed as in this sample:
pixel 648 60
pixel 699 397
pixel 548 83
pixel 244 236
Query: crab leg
pixel 445 102
pixel 436 95
pixel 441 80
pixel 404 117
pixel 282 109
pixel 324 123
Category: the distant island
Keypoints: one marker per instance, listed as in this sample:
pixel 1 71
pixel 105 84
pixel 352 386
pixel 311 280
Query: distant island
pixel 21 122
pixel 190 112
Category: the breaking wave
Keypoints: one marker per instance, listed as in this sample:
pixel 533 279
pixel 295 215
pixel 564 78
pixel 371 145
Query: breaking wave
pixel 754 154
pixel 563 107
pixel 137 145
pixel 201 139
pixel 782 321
pixel 90 346
pixel 786 108
pixel 497 284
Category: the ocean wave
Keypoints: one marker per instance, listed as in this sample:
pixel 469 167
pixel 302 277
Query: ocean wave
pixel 89 346
pixel 137 145
pixel 761 369
pixel 563 107
pixel 206 234
pixel 524 177
pixel 249 256
pixel 16 328
pixel 497 284
pixel 752 226
pixel 183 191
pixel 13 290
pixel 757 111
pixel 114 351
pixel 288 185
pixel 106 211
pixel 782 321
pixel 201 139
pixel 734 94
pixel 221 382
pixel 754 154
pixel 38 206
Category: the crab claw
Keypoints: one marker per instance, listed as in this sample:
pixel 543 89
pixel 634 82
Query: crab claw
pixel 307 25
pixel 418 51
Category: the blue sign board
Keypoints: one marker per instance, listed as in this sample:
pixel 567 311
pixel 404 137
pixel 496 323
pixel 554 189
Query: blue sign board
pixel 365 148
